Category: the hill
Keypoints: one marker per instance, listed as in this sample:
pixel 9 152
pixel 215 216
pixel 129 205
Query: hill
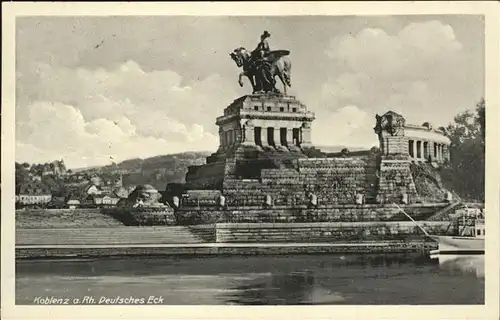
pixel 156 171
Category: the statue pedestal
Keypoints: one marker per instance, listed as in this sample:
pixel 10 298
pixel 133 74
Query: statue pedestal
pixel 254 130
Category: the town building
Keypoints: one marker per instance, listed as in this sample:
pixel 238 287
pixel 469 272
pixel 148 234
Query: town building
pixel 92 189
pixel 73 202
pixel 121 192
pixel 56 168
pixel 33 193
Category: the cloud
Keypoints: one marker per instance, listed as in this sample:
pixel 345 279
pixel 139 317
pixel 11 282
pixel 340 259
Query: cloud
pixel 414 72
pixel 416 50
pixel 55 130
pixel 347 126
pixel 156 85
pixel 92 116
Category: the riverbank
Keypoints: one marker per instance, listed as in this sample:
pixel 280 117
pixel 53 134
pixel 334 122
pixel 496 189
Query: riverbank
pixel 222 239
pixel 198 249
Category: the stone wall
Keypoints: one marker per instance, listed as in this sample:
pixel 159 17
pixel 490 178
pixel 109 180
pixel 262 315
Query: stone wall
pixel 337 180
pixel 200 198
pixel 285 178
pixel 304 213
pixel 395 179
pixel 292 182
pixel 325 232
pixel 142 216
pixel 379 247
pixel 207 176
pixel 396 145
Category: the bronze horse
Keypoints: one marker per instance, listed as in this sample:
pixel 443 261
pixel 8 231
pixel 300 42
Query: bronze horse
pixel 280 66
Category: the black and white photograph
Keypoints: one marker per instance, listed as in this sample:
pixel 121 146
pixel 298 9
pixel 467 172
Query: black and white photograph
pixel 200 159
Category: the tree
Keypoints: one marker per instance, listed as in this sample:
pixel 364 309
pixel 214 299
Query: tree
pixel 21 175
pixel 466 171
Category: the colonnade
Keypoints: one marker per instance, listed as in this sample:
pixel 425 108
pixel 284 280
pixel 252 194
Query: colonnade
pixel 422 150
pixel 265 136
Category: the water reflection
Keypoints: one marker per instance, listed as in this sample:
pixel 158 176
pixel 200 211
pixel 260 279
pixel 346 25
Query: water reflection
pixel 261 280
pixel 461 264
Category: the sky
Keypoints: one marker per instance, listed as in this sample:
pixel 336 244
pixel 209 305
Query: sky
pixel 96 90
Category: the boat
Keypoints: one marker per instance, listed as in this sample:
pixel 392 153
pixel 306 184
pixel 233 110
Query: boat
pixel 470 238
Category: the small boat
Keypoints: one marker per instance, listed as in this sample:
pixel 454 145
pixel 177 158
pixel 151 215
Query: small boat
pixel 470 240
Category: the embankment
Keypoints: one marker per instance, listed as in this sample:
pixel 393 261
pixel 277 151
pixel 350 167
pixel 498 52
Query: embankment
pixel 64 218
pixel 226 238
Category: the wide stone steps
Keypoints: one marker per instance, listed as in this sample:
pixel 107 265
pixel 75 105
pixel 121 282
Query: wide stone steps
pixel 121 235
pixel 444 212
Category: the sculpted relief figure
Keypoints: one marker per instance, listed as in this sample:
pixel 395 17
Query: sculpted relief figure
pixel 262 66
pixel 391 122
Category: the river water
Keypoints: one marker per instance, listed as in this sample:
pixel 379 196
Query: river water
pixel 254 280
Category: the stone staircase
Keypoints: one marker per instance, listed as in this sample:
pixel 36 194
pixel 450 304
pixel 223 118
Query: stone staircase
pixel 111 236
pixel 443 213
pixel 371 183
pixel 64 218
pixel 204 232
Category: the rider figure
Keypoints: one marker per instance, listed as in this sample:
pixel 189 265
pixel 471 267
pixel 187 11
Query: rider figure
pixel 264 79
pixel 262 47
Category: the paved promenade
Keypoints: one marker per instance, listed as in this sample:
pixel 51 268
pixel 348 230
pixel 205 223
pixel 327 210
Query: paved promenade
pixel 211 245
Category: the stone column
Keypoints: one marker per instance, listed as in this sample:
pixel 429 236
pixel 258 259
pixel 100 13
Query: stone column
pixel 229 138
pixel 277 139
pixel 221 139
pixel 248 138
pixel 237 136
pixel 431 151
pixel 263 137
pixel 224 140
pixel 289 140
pixel 305 135
pixel 289 137
pixel 439 158
pixel 422 153
pixel 428 150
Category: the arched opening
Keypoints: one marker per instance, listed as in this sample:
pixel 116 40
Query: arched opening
pixel 419 149
pixel 410 148
pixel 296 136
pixel 283 136
pixel 257 136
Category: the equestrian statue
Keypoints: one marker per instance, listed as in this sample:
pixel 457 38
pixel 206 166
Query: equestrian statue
pixel 261 66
